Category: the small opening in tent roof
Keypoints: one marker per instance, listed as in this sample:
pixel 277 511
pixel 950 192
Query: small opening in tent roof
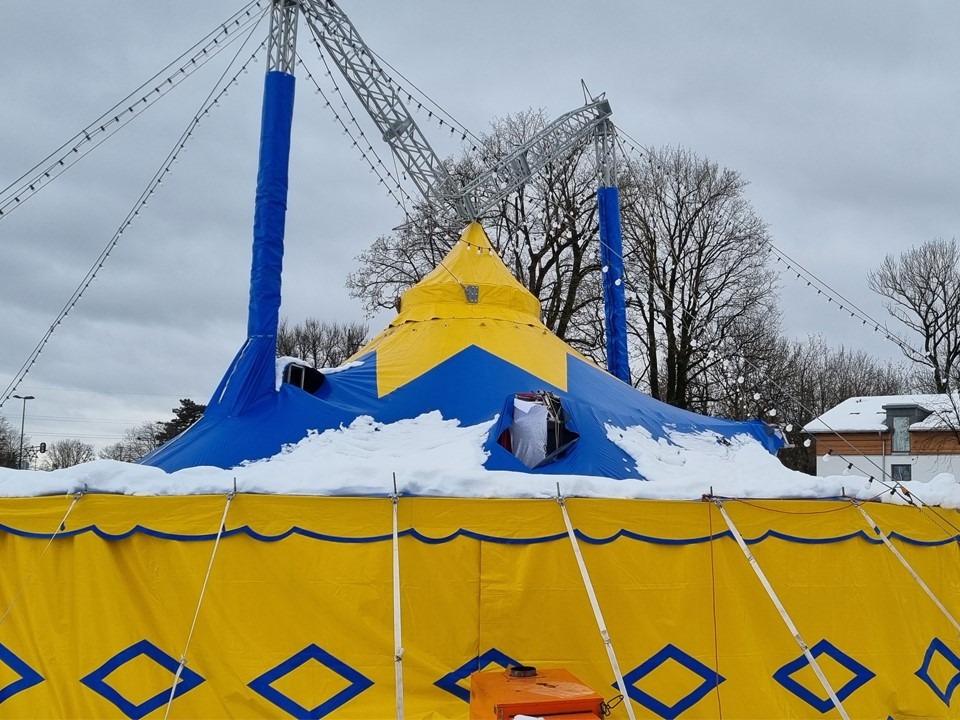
pixel 304 377
pixel 538 433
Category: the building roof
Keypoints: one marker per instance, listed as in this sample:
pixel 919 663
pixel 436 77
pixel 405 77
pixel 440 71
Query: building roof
pixel 868 413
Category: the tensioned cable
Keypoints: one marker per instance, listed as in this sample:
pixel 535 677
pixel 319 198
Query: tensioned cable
pixel 595 604
pixel 843 304
pixel 785 616
pixel 379 168
pixel 213 99
pixel 450 119
pixel 26 579
pixel 716 624
pixel 903 561
pixel 101 129
pixel 397 629
pixel 196 614
pixel 358 140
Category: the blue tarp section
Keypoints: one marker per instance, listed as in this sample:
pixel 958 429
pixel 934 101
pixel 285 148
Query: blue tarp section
pixel 614 289
pixel 594 400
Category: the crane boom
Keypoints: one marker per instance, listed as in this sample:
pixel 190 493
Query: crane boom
pixel 381 99
pixel 555 141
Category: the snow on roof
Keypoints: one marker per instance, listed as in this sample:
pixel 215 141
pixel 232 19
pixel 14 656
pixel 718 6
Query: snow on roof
pixel 867 414
pixel 432 456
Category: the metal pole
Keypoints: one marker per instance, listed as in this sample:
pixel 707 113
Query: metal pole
pixel 23 417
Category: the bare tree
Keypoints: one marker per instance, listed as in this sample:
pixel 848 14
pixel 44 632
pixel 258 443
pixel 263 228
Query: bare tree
pixel 922 287
pixel 9 444
pixel 800 380
pixel 320 343
pixel 396 262
pixel 67 453
pixel 135 443
pixel 696 257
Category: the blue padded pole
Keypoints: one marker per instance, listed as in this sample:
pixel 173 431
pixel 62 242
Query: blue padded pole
pixel 251 376
pixel 614 291
pixel 271 205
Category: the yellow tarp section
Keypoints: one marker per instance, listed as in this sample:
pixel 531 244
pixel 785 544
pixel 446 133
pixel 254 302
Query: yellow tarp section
pixel 438 321
pixel 297 616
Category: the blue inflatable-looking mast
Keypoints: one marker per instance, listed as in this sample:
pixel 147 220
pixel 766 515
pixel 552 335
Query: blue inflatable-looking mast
pixel 252 374
pixel 611 254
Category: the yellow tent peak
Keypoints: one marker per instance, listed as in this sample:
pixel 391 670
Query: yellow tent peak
pixel 475 235
pixel 471 281
pixel 470 299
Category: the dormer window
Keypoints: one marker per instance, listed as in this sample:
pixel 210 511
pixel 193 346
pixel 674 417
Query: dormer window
pixel 899 419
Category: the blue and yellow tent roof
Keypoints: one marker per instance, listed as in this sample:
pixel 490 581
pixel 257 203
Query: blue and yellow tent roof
pixel 467 339
pixel 437 319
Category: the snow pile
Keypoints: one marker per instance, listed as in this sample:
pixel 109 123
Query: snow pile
pixel 433 456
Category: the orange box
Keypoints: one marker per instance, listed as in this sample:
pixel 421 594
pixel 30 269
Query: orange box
pixel 554 693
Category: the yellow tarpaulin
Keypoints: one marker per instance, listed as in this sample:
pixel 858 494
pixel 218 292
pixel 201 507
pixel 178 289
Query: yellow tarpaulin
pixel 297 618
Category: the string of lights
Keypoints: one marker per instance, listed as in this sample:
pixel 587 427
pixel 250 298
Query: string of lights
pixel 822 288
pixel 212 100
pixel 409 88
pixel 101 129
pixel 358 137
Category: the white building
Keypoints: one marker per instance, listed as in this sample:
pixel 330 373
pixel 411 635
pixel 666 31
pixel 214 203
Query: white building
pixel 898 437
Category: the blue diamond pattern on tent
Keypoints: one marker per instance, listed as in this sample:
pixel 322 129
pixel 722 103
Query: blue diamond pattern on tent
pixel 861 676
pixel 97 680
pixel 450 681
pixel 28 676
pixel 938 647
pixel 711 679
pixel 263 685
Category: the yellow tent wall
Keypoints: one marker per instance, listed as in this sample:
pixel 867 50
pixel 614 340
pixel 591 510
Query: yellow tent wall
pixel 96 618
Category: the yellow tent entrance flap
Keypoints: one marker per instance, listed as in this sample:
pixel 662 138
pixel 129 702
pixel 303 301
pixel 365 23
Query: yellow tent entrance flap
pixel 297 617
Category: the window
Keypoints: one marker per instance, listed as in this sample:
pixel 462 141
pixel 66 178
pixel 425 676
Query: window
pixel 901 434
pixel 900 473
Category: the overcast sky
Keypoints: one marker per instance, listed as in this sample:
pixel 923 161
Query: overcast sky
pixel 840 115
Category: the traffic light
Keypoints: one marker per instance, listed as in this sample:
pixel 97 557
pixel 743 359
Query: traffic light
pixel 43 447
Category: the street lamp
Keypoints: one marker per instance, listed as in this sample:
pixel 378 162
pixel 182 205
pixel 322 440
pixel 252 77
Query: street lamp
pixel 23 417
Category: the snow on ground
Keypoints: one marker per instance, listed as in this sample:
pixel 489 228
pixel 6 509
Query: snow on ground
pixel 437 457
